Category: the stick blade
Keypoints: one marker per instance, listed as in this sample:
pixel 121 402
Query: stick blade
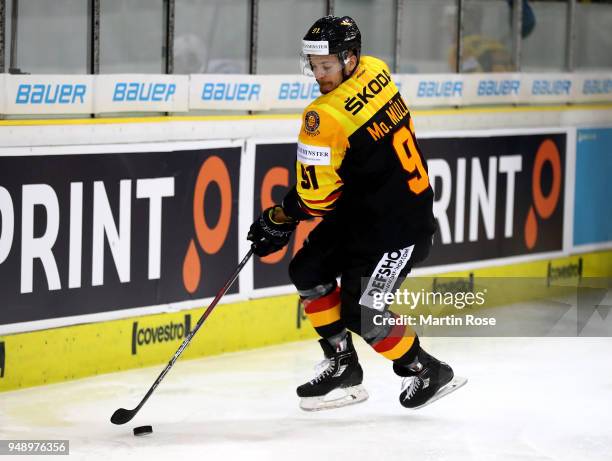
pixel 122 416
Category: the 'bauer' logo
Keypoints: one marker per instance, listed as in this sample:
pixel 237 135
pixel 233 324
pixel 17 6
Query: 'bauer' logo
pixel 2 360
pixel 543 205
pixel 160 333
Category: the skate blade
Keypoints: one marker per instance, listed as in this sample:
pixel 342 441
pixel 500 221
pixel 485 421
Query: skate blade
pixel 349 396
pixel 455 384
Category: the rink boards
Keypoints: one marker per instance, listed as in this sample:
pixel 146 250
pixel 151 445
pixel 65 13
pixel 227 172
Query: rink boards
pixel 108 252
pixel 99 94
pixel 60 354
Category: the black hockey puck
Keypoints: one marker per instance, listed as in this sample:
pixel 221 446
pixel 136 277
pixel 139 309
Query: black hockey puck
pixel 143 430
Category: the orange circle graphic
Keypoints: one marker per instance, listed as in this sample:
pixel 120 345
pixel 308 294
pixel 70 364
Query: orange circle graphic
pixel 212 170
pixel 545 205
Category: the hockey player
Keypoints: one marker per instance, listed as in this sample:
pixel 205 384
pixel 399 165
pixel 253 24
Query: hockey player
pixel 359 167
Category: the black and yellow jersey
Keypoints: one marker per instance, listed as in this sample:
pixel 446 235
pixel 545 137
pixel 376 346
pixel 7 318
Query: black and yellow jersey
pixel 358 160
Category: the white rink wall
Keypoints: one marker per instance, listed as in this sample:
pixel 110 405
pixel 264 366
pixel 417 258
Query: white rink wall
pixel 60 132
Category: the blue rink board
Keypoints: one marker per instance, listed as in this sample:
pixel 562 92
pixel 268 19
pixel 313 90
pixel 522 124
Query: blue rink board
pixel 593 198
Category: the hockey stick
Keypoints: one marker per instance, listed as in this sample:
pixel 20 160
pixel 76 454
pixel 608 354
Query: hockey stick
pixel 122 416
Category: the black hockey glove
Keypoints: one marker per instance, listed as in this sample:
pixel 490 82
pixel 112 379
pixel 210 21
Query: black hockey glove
pixel 269 236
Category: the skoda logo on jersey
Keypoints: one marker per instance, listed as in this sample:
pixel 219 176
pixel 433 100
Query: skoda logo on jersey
pixel 369 91
pixel 312 121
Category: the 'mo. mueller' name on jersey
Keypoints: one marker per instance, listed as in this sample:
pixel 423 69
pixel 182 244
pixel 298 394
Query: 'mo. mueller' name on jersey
pixel 393 114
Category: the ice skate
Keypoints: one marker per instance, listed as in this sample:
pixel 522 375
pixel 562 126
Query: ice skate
pixel 338 380
pixel 426 381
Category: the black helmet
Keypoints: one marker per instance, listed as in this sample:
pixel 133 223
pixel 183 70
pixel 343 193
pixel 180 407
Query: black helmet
pixel 341 34
pixel 331 35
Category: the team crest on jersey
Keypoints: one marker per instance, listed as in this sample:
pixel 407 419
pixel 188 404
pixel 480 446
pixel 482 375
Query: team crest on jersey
pixel 312 122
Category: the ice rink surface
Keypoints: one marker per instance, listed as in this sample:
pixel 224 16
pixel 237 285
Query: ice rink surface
pixel 526 399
